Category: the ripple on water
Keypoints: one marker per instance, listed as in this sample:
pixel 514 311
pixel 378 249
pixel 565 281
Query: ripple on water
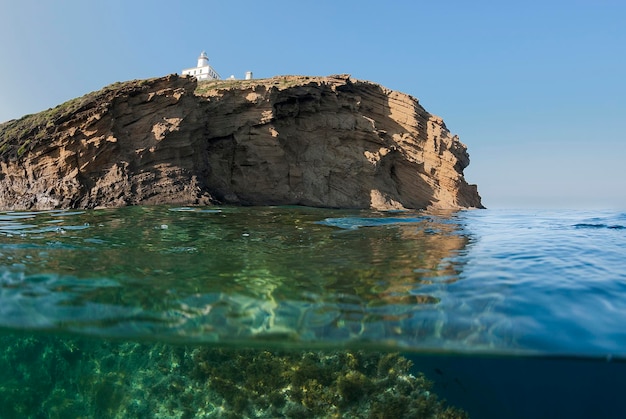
pixel 352 223
pixel 468 281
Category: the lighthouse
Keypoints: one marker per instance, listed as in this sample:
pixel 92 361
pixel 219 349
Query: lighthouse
pixel 203 71
pixel 203 59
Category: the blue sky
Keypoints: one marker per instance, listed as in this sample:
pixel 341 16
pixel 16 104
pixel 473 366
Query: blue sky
pixel 535 89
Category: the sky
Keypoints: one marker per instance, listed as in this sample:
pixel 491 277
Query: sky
pixel 535 89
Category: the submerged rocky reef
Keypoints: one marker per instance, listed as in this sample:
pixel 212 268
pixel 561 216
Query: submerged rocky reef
pixel 61 377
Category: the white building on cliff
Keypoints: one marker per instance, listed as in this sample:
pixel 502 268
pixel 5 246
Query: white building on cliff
pixel 203 71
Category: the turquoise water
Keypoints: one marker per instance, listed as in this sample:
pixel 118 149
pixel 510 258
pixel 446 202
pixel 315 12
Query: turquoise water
pixel 442 288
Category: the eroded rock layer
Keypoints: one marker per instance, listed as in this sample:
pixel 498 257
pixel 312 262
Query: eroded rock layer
pixel 318 141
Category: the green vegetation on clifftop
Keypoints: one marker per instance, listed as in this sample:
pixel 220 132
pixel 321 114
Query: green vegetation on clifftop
pixel 20 135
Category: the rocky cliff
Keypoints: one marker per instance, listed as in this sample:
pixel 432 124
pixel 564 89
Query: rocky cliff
pixel 318 141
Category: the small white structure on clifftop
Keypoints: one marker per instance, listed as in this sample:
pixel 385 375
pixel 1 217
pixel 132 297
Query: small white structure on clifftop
pixel 203 71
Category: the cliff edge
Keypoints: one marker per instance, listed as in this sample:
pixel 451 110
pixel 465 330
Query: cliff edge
pixel 291 140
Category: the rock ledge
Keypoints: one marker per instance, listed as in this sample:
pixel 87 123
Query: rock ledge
pixel 288 140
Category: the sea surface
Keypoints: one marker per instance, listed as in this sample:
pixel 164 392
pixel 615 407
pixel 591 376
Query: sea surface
pixel 187 312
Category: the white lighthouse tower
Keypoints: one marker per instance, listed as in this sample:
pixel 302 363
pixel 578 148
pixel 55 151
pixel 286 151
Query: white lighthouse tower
pixel 203 71
pixel 203 59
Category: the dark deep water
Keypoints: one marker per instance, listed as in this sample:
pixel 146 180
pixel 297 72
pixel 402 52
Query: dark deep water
pixel 148 311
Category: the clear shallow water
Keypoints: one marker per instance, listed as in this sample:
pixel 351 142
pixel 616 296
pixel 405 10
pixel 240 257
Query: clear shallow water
pixel 497 282
pixel 147 312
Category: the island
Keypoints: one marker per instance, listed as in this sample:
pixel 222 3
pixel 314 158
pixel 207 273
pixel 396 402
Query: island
pixel 332 141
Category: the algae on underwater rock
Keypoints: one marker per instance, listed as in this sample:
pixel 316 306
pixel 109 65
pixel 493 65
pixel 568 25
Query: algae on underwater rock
pixel 58 377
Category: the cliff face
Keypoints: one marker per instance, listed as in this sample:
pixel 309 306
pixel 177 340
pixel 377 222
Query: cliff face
pixel 317 141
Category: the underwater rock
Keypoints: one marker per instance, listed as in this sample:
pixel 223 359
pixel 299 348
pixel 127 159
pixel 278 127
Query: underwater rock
pixel 61 377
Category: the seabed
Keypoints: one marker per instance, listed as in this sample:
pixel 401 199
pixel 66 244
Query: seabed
pixel 61 377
